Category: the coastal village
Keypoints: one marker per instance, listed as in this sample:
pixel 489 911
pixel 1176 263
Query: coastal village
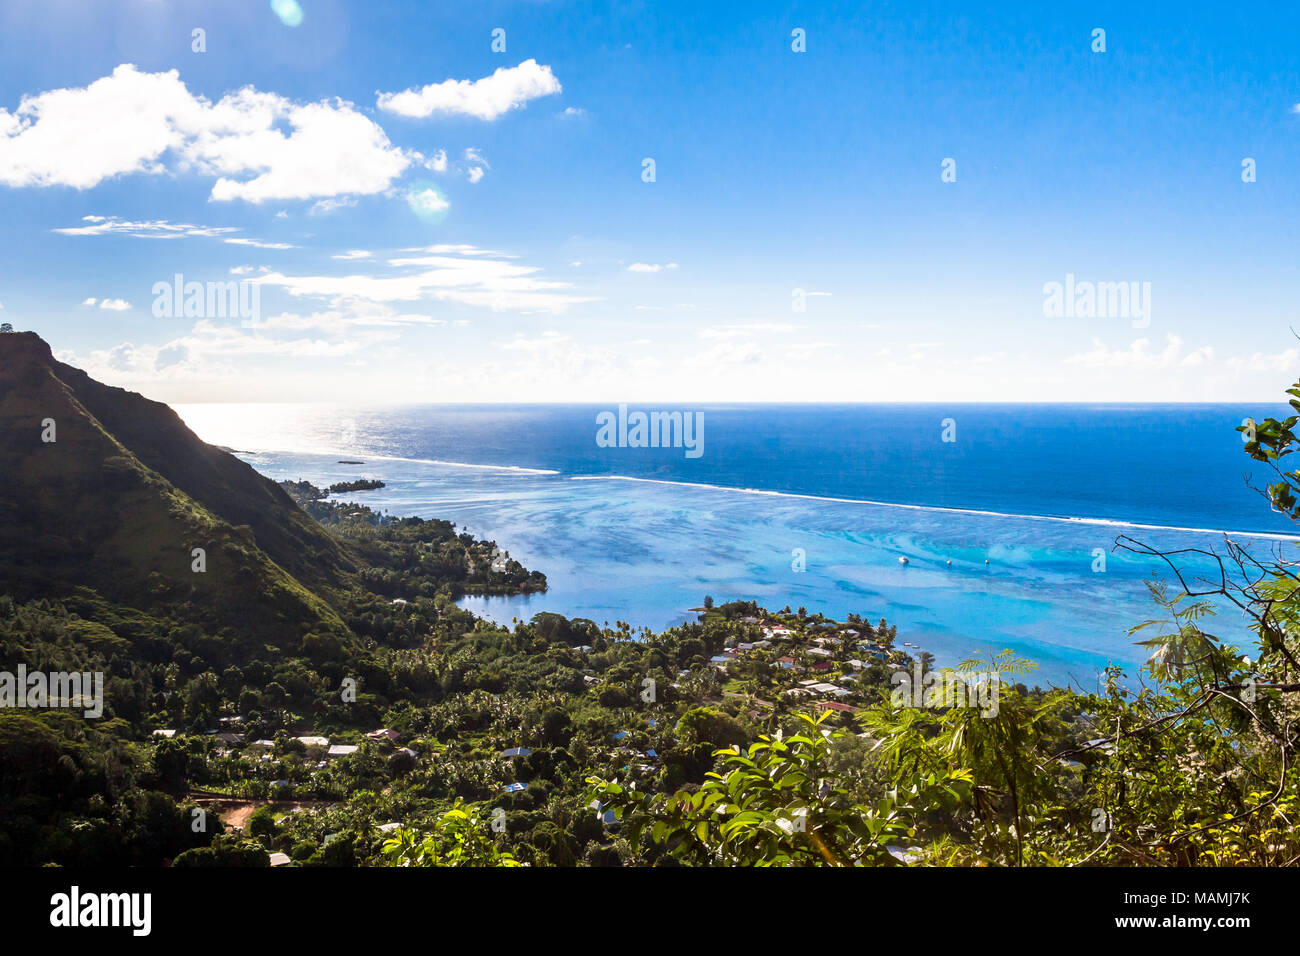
pixel 766 665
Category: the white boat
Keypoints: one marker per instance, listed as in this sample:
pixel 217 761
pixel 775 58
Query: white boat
pixel 903 561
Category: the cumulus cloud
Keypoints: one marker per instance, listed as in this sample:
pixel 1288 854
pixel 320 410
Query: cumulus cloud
pixel 427 202
pixel 506 89
pixel 132 122
pixel 1284 361
pixel 437 162
pixel 1141 355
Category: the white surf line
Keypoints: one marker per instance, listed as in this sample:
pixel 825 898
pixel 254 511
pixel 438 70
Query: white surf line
pixel 515 469
pixel 1105 522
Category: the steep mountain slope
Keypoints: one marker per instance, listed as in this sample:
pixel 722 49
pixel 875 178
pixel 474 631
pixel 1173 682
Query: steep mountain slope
pixel 124 493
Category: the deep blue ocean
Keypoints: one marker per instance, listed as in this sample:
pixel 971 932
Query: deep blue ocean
pixel 813 505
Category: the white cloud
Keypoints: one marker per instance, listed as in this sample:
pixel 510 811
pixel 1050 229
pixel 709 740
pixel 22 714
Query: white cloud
pixel 356 315
pixel 1138 355
pixel 475 173
pixel 258 243
pixel 1284 361
pixel 162 229
pixel 727 353
pixel 506 89
pixel 650 267
pixel 427 202
pixel 150 123
pixel 455 249
pixel 211 352
pixel 152 229
pixel 113 305
pixel 470 277
pixel 329 205
pixel 353 254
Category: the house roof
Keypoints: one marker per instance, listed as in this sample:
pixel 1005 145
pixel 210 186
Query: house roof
pixel 836 705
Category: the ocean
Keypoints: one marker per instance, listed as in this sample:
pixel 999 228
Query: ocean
pixel 1007 515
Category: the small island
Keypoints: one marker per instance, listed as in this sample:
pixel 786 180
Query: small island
pixel 361 484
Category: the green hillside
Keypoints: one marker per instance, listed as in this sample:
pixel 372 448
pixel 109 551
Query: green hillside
pixel 117 502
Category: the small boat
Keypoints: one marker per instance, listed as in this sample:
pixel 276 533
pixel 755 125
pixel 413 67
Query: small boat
pixel 903 561
pixel 950 562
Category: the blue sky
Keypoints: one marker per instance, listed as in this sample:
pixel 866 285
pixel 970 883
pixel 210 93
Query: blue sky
pixel 427 219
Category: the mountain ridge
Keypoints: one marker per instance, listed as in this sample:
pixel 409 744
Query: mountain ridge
pixel 108 490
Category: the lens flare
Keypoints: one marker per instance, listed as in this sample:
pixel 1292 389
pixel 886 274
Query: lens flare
pixel 427 202
pixel 289 11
